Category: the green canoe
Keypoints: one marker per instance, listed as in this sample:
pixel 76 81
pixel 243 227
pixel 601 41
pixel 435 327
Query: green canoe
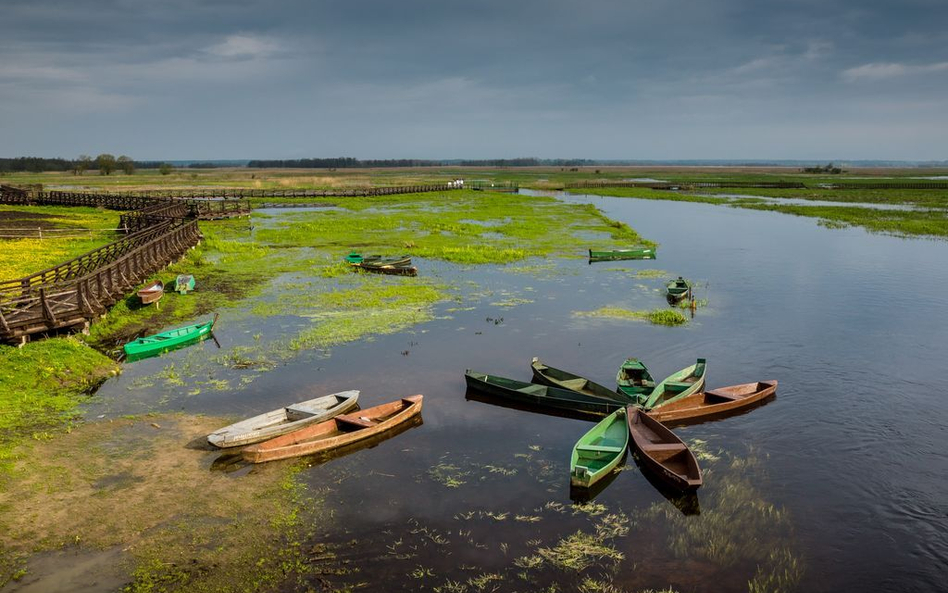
pixel 635 253
pixel 543 396
pixel 677 289
pixel 169 340
pixel 599 451
pixel 544 374
pixel 634 380
pixel 685 382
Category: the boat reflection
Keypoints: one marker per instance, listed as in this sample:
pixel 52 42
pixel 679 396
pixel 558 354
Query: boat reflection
pixel 686 502
pixel 480 396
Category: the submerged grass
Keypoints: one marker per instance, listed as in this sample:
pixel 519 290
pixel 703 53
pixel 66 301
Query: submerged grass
pixel 669 317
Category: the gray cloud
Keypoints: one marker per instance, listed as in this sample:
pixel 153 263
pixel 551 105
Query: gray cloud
pixel 554 78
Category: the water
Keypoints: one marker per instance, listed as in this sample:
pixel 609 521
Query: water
pixel 841 481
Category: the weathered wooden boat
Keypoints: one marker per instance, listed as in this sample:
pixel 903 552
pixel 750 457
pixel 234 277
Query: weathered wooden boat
pixel 342 430
pixel 184 283
pixel 152 293
pixel 170 339
pixel 663 453
pixel 541 395
pixel 677 289
pixel 678 385
pixel 391 270
pixel 634 380
pixel 283 420
pixel 378 260
pixel 547 375
pixel 614 254
pixel 600 450
pixel 714 403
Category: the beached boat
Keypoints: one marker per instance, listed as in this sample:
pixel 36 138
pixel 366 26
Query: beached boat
pixel 378 260
pixel 387 269
pixel 613 254
pixel 663 453
pixel 547 375
pixel 170 339
pixel 679 385
pixel 531 394
pixel 340 431
pixel 600 450
pixel 152 292
pixel 677 289
pixel 184 283
pixel 714 403
pixel 283 420
pixel 634 380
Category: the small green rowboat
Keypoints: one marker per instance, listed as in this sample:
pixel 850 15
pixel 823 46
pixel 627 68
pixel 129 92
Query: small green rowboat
pixel 677 289
pixel 634 380
pixel 685 382
pixel 600 450
pixel 635 253
pixel 169 340
pixel 544 374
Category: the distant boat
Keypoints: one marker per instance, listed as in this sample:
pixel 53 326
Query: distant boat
pixel 663 453
pixel 712 403
pixel 184 283
pixel 378 260
pixel 168 340
pixel 389 269
pixel 677 289
pixel 547 375
pixel 152 293
pixel 340 431
pixel 600 450
pixel 678 385
pixel 613 254
pixel 634 380
pixel 283 420
pixel 531 394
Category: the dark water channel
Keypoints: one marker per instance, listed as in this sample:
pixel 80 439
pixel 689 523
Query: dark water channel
pixel 840 484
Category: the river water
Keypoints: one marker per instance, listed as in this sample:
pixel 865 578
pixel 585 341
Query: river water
pixel 839 484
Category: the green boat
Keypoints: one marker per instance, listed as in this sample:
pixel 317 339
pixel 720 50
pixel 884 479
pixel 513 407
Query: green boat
pixel 634 380
pixel 547 375
pixel 378 260
pixel 184 283
pixel 677 289
pixel 685 382
pixel 599 451
pixel 169 340
pixel 533 395
pixel 354 258
pixel 634 253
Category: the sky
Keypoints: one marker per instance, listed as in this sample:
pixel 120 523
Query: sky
pixel 447 79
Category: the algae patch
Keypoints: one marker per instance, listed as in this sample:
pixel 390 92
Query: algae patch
pixel 669 317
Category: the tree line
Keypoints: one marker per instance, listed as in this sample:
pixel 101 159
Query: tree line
pixel 353 163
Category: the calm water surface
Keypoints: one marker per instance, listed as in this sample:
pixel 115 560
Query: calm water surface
pixel 840 483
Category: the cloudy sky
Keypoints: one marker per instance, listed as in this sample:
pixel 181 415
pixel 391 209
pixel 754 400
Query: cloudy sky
pixel 615 79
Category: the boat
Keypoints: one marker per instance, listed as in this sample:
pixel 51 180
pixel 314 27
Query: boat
pixel 340 431
pixel 634 380
pixel 184 283
pixel 283 420
pixel 168 340
pixel 547 375
pixel 354 258
pixel 613 254
pixel 663 453
pixel 678 385
pixel 378 260
pixel 600 450
pixel 541 395
pixel 677 289
pixel 152 293
pixel 714 403
pixel 391 270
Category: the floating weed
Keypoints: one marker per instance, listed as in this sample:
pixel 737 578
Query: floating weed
pixel 579 551
pixel 450 586
pixel 528 518
pixel 592 509
pixel 669 317
pixel 448 475
pixel 648 273
pixel 700 448
pixel 512 302
pixel 504 471
pixel 529 562
pixel 497 516
pixel 481 582
pixel 612 526
pixel 421 573
pixel 782 573
pixel 535 447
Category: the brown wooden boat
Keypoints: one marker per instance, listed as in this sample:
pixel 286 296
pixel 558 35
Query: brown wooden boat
pixel 663 453
pixel 340 431
pixel 152 292
pixel 387 269
pixel 714 403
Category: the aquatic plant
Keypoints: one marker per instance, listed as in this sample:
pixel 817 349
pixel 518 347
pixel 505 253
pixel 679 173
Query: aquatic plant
pixel 656 316
pixel 579 551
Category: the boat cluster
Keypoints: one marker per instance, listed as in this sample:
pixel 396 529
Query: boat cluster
pixel 635 415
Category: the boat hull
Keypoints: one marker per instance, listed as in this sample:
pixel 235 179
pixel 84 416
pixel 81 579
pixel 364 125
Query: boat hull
pixel 716 403
pixel 662 453
pixel 340 431
pixel 283 420
pixel 599 451
pixel 546 375
pixel 634 381
pixel 152 293
pixel 687 381
pixel 168 340
pixel 616 254
pixel 541 396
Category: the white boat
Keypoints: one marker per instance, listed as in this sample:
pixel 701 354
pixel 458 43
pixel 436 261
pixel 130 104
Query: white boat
pixel 283 420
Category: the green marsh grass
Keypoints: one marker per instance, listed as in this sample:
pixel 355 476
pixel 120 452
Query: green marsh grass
pixel 668 317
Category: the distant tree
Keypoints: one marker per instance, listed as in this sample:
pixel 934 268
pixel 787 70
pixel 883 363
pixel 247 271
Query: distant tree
pixel 126 164
pixel 105 163
pixel 165 168
pixel 82 164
